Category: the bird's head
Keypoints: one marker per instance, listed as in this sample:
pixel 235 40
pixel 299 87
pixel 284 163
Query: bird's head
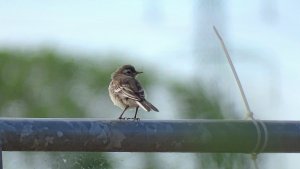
pixel 128 70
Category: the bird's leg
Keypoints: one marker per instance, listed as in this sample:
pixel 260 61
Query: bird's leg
pixel 136 110
pixel 120 117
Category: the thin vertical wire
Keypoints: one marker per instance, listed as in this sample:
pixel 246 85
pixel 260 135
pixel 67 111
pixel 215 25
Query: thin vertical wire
pixel 249 112
pixel 1 158
pixel 254 157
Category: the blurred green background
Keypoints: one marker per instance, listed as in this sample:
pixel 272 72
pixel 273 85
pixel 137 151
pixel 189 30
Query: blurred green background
pixel 56 58
pixel 45 83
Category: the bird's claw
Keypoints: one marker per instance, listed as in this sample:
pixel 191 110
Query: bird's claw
pixel 137 119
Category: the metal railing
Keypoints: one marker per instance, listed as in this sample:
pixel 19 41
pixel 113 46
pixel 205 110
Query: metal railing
pixel 92 135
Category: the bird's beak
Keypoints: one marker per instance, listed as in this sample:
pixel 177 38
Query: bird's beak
pixel 138 72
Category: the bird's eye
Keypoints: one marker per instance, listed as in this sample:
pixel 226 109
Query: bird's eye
pixel 128 71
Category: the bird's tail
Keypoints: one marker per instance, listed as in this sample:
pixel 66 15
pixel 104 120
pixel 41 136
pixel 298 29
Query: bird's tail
pixel 147 106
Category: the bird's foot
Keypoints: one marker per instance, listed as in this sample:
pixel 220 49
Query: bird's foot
pixel 122 118
pixel 135 119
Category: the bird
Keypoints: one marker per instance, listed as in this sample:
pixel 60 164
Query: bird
pixel 125 91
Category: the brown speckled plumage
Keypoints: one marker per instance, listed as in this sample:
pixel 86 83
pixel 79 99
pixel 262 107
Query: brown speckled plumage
pixel 126 92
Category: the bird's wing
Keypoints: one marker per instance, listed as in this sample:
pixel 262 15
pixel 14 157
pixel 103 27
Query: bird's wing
pixel 131 88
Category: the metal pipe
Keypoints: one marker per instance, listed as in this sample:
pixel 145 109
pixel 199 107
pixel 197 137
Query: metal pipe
pixel 231 136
